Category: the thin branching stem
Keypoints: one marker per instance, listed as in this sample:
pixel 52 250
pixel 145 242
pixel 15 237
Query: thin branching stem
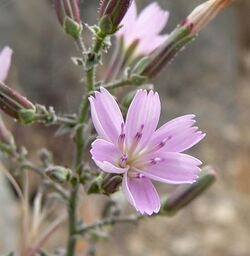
pixel 109 222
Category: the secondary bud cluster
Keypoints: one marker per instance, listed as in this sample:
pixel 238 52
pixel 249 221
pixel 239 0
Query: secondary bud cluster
pixel 111 13
pixel 58 174
pixel 68 14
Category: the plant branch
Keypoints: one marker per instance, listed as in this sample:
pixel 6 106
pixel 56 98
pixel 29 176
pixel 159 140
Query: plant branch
pixel 110 222
pixel 80 144
pixel 119 83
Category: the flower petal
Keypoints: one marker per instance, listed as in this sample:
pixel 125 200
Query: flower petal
pixel 106 115
pixel 144 29
pixel 5 62
pixel 143 117
pixel 128 24
pixel 177 135
pixel 151 21
pixel 102 150
pixel 148 45
pixel 110 168
pixel 106 156
pixel 175 168
pixel 141 193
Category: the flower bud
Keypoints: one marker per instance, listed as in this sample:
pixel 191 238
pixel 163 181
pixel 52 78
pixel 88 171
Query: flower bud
pixel 204 13
pixel 68 14
pixel 58 174
pixel 185 194
pixel 111 183
pixel 184 33
pixel 13 103
pixel 111 13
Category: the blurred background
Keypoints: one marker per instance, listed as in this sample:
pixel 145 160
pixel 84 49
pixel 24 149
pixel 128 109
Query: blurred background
pixel 211 79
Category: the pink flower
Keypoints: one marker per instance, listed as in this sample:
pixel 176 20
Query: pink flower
pixel 5 61
pixel 139 151
pixel 144 29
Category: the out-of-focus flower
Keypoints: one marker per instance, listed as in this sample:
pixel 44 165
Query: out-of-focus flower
pixel 111 13
pixel 5 61
pixel 143 31
pixel 138 151
pixel 68 14
pixel 138 36
pixel 183 34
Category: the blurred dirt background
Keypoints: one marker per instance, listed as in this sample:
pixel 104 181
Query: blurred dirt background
pixel 211 79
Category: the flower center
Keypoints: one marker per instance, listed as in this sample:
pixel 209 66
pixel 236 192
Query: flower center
pixel 135 175
pixel 132 155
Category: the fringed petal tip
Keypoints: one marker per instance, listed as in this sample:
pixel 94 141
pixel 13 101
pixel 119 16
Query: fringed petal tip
pixel 148 211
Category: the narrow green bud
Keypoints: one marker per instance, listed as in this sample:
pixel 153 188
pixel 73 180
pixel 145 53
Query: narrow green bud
pixel 111 183
pixel 27 116
pixel 12 102
pixel 185 194
pixel 72 28
pixel 68 14
pixel 184 33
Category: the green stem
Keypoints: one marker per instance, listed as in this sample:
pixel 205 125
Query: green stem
pixel 79 139
pixel 80 144
pixel 90 79
pixel 100 38
pixel 72 207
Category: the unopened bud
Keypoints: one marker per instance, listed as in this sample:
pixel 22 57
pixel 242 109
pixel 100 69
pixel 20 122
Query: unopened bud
pixel 58 174
pixel 184 33
pixel 13 103
pixel 111 183
pixel 111 13
pixel 185 194
pixel 68 14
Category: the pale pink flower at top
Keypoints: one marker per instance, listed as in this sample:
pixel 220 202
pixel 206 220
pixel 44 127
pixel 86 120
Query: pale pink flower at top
pixel 144 29
pixel 137 150
pixel 5 61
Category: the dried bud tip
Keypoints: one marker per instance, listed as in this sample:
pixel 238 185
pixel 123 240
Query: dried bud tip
pixel 205 12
